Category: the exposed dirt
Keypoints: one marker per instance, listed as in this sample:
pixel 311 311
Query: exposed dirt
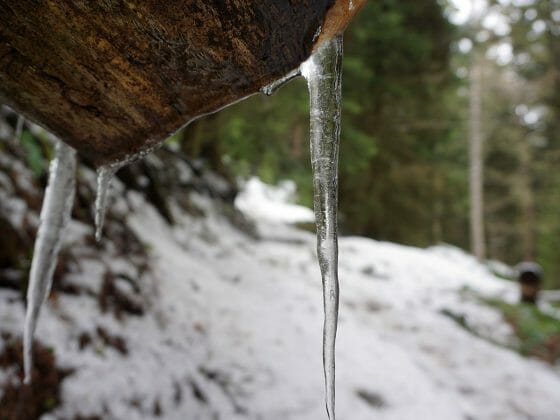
pixel 29 402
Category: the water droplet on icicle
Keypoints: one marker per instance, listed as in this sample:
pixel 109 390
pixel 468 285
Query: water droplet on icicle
pixel 323 73
pixel 104 177
pixel 55 215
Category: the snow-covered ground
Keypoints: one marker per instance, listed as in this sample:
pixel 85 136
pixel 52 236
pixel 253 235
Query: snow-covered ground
pixel 262 202
pixel 233 331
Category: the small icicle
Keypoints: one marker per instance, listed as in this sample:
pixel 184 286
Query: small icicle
pixel 55 215
pixel 104 176
pixel 277 84
pixel 323 73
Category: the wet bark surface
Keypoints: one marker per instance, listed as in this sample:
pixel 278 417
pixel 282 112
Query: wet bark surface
pixel 114 77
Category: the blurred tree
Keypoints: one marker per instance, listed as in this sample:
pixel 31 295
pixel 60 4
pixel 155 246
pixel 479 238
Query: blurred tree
pixel 476 159
pixel 535 38
pixel 510 201
pixel 398 183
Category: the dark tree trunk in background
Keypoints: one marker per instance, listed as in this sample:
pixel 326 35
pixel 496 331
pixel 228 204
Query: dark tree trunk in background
pixel 527 201
pixel 112 78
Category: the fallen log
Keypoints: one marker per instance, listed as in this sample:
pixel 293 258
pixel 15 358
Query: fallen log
pixel 113 78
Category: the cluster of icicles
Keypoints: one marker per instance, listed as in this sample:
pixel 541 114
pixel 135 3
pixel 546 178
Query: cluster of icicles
pixel 323 74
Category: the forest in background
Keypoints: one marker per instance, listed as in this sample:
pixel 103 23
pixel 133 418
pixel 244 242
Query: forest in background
pixel 404 172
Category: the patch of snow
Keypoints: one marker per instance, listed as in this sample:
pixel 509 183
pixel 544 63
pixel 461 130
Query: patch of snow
pixel 233 331
pixel 263 202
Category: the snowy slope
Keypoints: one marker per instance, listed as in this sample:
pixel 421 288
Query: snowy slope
pixel 233 331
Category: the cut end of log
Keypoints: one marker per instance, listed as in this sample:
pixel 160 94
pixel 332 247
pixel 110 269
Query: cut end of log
pixel 337 19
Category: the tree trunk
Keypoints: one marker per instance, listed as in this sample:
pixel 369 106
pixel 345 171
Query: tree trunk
pixel 478 246
pixel 113 78
pixel 528 216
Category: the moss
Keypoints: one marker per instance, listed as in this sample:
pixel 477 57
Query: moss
pixel 538 333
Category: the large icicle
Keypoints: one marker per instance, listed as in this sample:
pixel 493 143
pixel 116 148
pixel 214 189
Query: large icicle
pixel 104 176
pixel 55 215
pixel 323 73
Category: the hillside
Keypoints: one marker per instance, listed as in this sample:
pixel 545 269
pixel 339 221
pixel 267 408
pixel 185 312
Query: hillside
pixel 202 320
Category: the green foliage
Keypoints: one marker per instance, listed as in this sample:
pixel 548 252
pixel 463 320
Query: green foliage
pixel 522 188
pixel 538 333
pixel 34 153
pixel 400 179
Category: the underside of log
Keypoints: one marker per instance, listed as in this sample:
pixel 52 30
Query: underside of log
pixel 115 77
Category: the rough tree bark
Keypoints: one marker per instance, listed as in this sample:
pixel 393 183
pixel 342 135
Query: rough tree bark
pixel 114 77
